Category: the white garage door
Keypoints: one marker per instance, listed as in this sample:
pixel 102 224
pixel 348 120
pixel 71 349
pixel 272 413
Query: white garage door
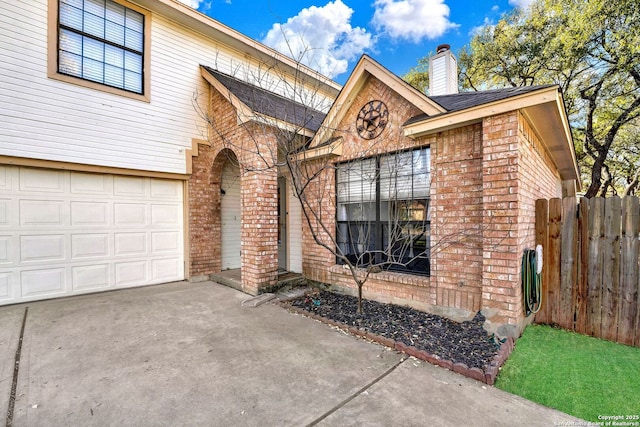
pixel 64 233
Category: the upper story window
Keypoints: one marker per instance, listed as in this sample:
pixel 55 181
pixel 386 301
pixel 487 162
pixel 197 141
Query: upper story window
pixel 102 43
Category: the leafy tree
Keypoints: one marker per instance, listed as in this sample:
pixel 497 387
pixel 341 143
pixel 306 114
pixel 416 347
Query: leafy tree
pixel 418 76
pixel 591 49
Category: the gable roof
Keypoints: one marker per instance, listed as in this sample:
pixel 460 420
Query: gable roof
pixel 368 67
pixel 263 102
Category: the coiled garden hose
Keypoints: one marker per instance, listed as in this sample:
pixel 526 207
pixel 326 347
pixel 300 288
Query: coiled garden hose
pixel 531 280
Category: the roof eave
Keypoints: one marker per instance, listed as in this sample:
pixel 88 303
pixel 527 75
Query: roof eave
pixel 333 149
pixel 543 108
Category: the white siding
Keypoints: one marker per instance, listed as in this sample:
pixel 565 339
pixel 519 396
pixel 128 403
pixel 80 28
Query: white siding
pixel 48 119
pixel 443 74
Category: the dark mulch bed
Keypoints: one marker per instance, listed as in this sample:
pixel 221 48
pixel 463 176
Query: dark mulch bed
pixel 465 342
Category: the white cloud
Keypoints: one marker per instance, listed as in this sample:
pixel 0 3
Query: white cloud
pixel 521 3
pixel 192 3
pixel 480 28
pixel 412 19
pixel 321 38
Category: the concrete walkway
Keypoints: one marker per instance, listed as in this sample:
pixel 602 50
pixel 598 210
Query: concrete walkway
pixel 190 354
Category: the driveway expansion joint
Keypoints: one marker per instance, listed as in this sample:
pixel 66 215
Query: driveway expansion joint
pixel 16 370
pixel 357 393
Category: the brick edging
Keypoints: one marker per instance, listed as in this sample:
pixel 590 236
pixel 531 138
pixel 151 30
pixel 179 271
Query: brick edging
pixel 487 377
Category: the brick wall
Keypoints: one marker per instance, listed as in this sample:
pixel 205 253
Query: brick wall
pixel 501 258
pixel 516 171
pixel 456 223
pixel 485 179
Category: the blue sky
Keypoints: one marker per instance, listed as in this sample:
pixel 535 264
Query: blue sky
pixel 330 36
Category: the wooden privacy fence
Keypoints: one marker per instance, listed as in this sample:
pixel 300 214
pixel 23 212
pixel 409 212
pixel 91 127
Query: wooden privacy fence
pixel 590 279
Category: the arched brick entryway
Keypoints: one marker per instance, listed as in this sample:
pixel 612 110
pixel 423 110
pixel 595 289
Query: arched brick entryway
pixel 215 236
pixel 205 197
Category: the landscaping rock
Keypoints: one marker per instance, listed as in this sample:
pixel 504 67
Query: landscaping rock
pixel 429 337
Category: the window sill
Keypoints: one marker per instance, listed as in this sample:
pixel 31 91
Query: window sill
pixel 97 86
pixel 405 278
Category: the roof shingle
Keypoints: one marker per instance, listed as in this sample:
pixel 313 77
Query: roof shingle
pixel 269 103
pixel 463 100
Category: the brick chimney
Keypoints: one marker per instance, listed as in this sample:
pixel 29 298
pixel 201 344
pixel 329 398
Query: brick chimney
pixel 443 72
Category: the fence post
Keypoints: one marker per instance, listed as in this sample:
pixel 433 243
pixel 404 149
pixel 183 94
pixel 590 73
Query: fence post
pixel 594 281
pixel 542 238
pixel 629 275
pixel 555 225
pixel 568 264
pixel 583 267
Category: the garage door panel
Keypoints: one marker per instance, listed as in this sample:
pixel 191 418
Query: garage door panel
pixel 91 183
pixel 89 213
pixel 129 186
pixel 38 248
pixel 39 180
pixel 42 213
pixel 166 189
pixel 89 246
pixel 5 178
pixel 6 255
pixel 43 282
pixel 90 277
pixel 5 286
pixel 131 273
pixel 86 238
pixel 5 212
pixel 165 215
pixel 127 244
pixel 164 269
pixel 167 241
pixel 130 214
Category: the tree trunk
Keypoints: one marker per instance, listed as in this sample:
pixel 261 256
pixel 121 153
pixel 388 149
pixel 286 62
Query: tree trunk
pixel 596 178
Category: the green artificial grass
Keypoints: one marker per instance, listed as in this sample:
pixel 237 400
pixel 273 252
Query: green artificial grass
pixel 583 376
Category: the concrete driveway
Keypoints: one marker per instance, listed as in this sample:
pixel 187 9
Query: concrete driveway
pixel 190 354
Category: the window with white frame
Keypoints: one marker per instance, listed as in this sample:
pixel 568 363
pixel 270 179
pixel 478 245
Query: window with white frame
pixel 102 41
pixel 383 211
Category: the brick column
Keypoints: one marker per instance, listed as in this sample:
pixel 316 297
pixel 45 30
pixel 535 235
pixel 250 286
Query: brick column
pixel 259 234
pixel 501 250
pixel 204 213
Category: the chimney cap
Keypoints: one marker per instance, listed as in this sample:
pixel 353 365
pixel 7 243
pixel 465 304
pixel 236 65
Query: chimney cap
pixel 442 48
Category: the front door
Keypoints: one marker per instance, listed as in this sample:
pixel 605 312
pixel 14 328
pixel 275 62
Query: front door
pixel 230 213
pixel 282 223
